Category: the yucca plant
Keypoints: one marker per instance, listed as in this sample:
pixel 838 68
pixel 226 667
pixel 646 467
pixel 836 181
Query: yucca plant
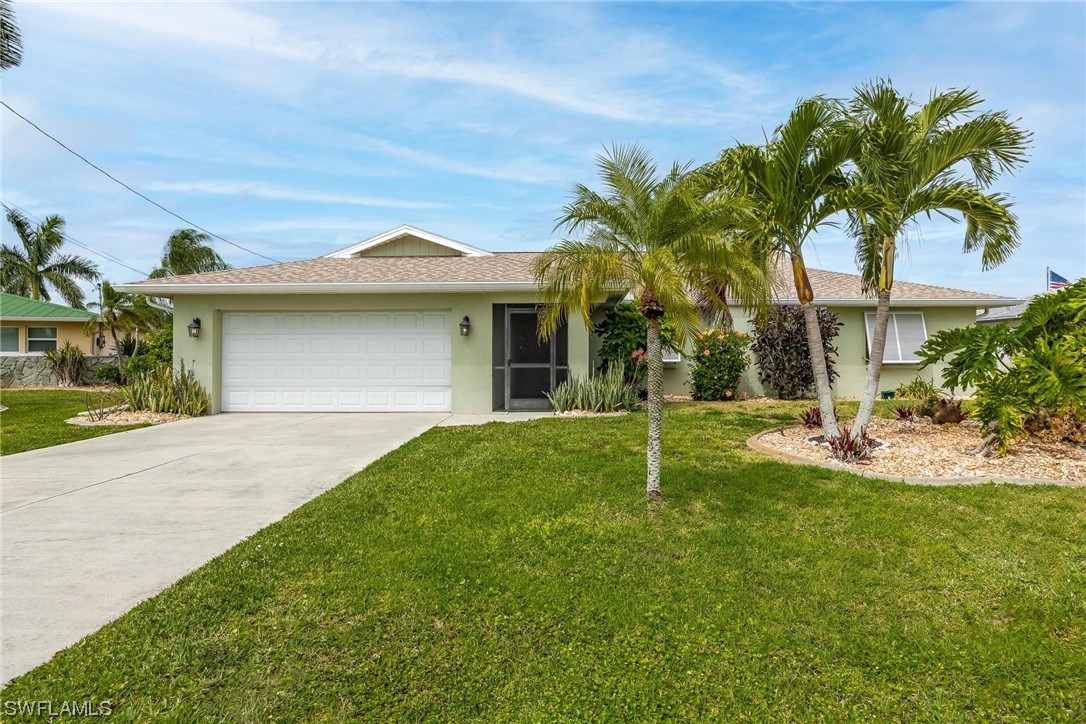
pixel 66 362
pixel 164 390
pixel 607 391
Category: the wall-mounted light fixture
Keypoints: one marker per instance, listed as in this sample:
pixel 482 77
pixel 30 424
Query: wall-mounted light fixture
pixel 465 326
pixel 194 328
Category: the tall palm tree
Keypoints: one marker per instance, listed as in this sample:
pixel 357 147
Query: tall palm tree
pixel 794 184
pixel 122 313
pixel 11 43
pixel 919 160
pixel 188 251
pixel 30 271
pixel 653 237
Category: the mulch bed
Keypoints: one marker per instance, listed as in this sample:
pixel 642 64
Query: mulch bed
pixel 922 449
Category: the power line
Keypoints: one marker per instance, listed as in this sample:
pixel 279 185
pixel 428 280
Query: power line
pixel 143 196
pixel 104 254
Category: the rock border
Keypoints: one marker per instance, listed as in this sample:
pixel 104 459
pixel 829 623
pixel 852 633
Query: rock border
pixel 754 443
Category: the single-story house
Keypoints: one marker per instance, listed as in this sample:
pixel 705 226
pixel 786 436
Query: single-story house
pixel 409 320
pixel 31 326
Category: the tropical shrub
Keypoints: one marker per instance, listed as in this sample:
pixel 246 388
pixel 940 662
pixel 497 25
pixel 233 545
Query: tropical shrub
pixel 783 355
pixel 155 351
pixel 623 334
pixel 717 362
pixel 851 448
pixel 812 416
pixel 109 374
pixel 1024 374
pixel 606 391
pixel 917 389
pixel 66 362
pixel 128 345
pixel 905 413
pixel 163 390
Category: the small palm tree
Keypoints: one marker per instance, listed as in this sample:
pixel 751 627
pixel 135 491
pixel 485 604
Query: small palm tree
pixel 652 237
pixel 188 251
pixel 794 185
pixel 11 44
pixel 30 271
pixel 121 314
pixel 919 160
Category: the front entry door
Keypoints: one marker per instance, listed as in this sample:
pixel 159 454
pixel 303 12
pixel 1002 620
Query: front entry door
pixel 532 367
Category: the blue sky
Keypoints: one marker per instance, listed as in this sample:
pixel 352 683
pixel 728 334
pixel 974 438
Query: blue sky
pixel 297 128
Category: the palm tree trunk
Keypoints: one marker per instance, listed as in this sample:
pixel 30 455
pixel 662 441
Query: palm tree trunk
pixel 117 350
pixel 655 403
pixel 824 391
pixel 874 365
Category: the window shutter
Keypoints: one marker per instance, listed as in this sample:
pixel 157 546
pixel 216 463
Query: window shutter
pixel 911 334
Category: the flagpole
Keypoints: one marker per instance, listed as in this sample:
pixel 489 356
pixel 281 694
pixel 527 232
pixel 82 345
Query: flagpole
pixel 1048 277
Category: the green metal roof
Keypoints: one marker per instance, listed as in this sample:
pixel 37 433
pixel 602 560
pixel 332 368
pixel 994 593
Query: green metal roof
pixel 12 306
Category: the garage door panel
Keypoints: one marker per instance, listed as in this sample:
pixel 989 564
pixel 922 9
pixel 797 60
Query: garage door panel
pixel 394 361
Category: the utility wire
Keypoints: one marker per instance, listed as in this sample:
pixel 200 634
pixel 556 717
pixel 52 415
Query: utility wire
pixel 104 254
pixel 101 170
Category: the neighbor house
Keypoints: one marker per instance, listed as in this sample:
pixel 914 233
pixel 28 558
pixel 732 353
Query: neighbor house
pixel 31 326
pixel 412 321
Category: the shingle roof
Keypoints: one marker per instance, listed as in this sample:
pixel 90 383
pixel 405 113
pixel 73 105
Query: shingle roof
pixel 13 306
pixel 512 268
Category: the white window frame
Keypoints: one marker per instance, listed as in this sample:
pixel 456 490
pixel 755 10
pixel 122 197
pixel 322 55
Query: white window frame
pixel 55 339
pixel 18 338
pixel 894 342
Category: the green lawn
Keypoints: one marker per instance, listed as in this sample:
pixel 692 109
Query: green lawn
pixel 36 418
pixel 515 572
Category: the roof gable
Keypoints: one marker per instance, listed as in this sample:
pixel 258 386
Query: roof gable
pixel 393 241
pixel 12 306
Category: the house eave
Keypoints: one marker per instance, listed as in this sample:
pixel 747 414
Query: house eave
pixel 174 290
pixel 47 319
pixel 871 303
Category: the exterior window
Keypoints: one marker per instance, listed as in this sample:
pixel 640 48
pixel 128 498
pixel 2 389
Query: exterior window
pixel 9 339
pixel 905 333
pixel 41 339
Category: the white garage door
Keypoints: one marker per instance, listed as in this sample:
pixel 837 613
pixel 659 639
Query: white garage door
pixel 350 361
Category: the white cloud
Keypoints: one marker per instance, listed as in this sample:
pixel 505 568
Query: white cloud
pixel 279 193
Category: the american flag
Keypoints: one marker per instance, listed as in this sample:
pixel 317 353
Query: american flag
pixel 1055 281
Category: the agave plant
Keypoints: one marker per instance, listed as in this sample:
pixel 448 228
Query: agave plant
pixel 164 390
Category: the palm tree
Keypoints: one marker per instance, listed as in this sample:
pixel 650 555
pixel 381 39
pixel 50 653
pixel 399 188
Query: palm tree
pixel 11 44
pixel 31 270
pixel 914 160
pixel 794 185
pixel 122 313
pixel 652 237
pixel 188 251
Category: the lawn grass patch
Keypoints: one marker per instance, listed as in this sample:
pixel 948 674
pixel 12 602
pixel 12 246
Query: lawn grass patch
pixel 36 419
pixel 515 572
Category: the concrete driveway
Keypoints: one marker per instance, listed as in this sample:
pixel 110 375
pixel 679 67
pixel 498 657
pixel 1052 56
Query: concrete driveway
pixel 92 528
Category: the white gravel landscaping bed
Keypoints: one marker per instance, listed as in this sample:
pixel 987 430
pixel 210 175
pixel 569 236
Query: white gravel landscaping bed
pixel 921 449
pixel 127 417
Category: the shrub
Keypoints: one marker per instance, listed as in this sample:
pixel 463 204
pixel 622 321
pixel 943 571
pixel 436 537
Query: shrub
pixel 66 362
pixel 905 413
pixel 154 352
pixel 128 345
pixel 783 356
pixel 1034 369
pixel 812 416
pixel 109 374
pixel 606 391
pixel 847 449
pixel 917 389
pixel 623 336
pixel 717 363
pixel 163 390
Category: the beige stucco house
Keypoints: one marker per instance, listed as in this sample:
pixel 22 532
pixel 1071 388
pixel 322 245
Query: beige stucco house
pixel 32 326
pixel 409 320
